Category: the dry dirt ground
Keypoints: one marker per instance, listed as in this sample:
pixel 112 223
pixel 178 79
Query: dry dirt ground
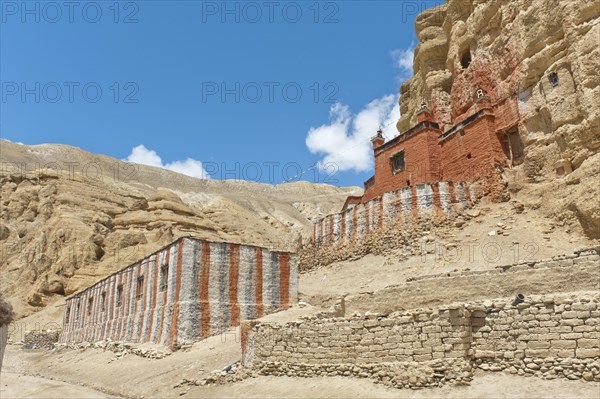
pixel 92 374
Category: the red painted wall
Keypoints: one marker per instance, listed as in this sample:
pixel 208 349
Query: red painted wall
pixel 421 159
pixel 468 154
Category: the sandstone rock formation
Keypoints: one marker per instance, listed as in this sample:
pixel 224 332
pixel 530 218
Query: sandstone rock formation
pixel 543 53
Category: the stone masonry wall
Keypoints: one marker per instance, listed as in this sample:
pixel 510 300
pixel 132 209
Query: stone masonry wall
pixel 183 293
pixel 40 339
pixel 550 336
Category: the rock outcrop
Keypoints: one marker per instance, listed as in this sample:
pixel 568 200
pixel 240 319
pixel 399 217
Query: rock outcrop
pixel 540 55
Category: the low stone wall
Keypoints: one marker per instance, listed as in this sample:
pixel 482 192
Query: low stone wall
pixel 550 336
pixel 387 222
pixel 582 257
pixel 40 339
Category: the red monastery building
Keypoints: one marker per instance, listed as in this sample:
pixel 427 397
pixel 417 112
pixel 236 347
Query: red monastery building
pixel 479 140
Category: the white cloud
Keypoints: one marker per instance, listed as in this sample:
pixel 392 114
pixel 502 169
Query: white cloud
pixel 345 140
pixel 189 167
pixel 403 60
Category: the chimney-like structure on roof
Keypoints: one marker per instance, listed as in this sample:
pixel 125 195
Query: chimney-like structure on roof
pixel 423 114
pixel 378 139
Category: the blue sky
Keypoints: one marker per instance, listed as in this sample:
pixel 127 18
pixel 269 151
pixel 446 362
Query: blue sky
pixel 254 90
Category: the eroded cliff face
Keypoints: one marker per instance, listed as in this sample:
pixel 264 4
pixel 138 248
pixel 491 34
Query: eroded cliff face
pixel 538 62
pixel 512 49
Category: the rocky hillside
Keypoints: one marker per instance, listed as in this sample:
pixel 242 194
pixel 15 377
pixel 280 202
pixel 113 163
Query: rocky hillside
pixel 69 217
pixel 544 56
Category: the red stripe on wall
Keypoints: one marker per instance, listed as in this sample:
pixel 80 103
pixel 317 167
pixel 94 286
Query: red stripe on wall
pixel 258 282
pixel 173 333
pixel 452 193
pixel 284 280
pixel 234 274
pixel 204 304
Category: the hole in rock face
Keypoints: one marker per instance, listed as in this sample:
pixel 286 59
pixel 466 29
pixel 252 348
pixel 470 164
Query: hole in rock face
pixel 465 60
pixel 553 78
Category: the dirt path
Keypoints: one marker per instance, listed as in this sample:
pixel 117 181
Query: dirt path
pixel 14 385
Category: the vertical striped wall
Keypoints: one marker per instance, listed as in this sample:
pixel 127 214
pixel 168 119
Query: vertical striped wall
pixel 422 200
pixel 210 287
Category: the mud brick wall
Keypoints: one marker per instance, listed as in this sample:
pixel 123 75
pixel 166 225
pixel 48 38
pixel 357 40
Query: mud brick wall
pixel 470 153
pixel 559 332
pixel 421 161
pixel 183 293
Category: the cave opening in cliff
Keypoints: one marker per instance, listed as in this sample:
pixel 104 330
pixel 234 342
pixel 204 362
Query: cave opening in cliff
pixel 465 60
pixel 513 147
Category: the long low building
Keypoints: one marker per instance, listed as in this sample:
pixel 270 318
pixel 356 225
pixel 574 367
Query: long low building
pixel 185 292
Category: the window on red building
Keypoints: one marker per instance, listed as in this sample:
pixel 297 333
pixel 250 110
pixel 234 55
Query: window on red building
pixel 398 162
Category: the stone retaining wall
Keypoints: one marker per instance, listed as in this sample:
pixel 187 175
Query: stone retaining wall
pixel 551 336
pixel 42 339
pixel 579 271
